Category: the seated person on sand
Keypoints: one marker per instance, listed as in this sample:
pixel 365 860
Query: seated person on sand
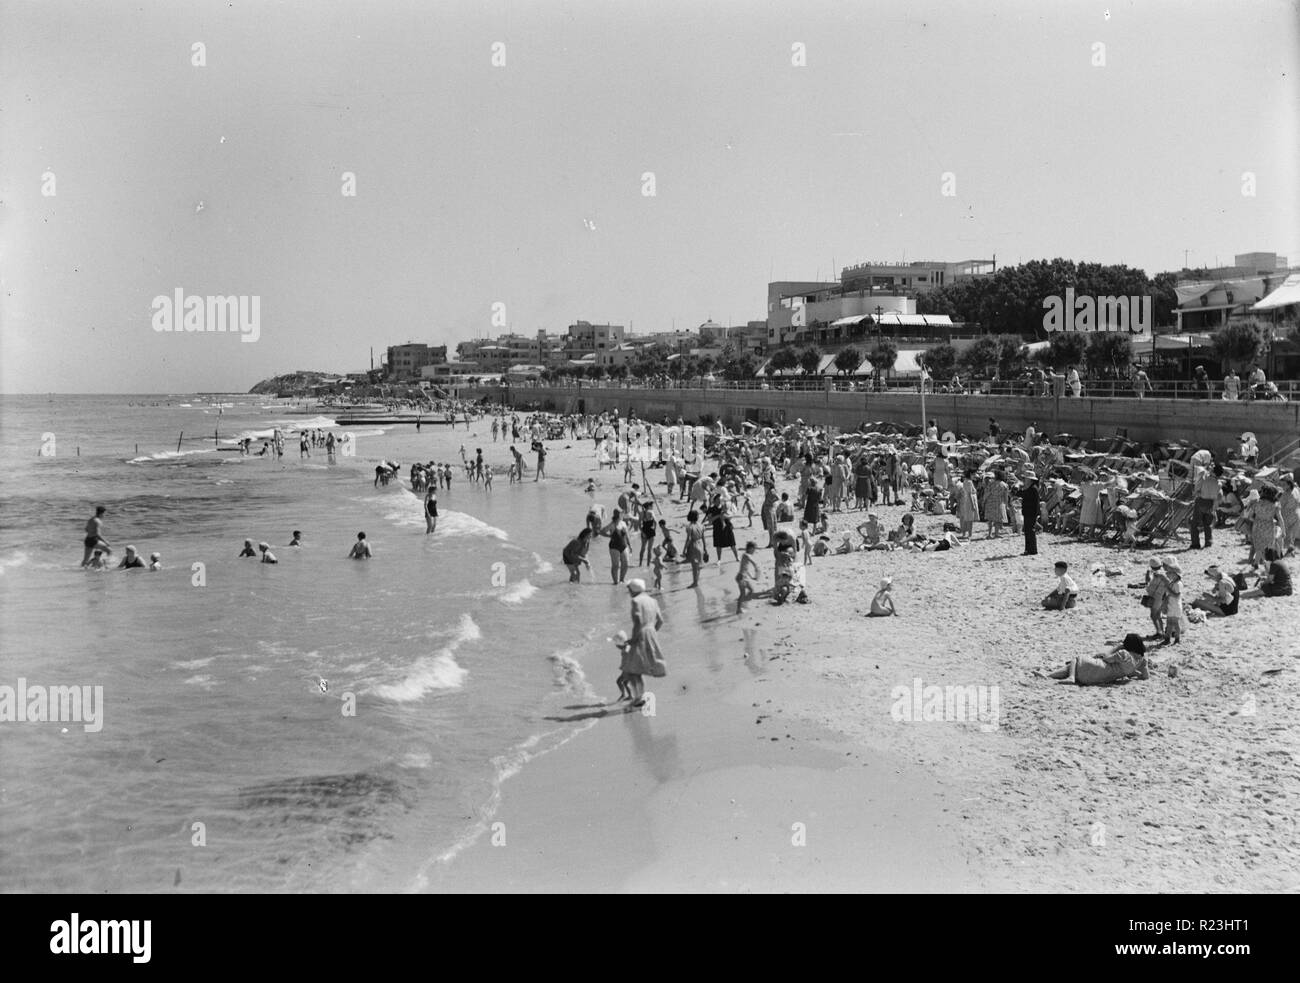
pixel 1230 506
pixel 882 605
pixel 869 530
pixel 1066 592
pixel 1276 581
pixel 846 545
pixel 822 547
pixel 1125 660
pixel 789 576
pixel 1222 597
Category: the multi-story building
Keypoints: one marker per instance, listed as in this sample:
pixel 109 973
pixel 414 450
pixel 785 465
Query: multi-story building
pixel 584 338
pixel 1204 304
pixel 405 362
pixel 914 277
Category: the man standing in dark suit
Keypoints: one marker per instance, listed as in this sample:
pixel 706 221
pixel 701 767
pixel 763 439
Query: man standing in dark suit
pixel 1029 511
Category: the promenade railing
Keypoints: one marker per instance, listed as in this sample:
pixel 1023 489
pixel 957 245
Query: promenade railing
pixel 1288 389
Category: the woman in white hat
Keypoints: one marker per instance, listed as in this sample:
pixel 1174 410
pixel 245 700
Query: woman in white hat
pixel 642 655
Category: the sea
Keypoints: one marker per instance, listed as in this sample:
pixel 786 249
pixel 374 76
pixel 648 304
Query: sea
pixel 318 725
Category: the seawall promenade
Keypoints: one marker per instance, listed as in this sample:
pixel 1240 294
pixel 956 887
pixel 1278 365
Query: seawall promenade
pixel 1215 424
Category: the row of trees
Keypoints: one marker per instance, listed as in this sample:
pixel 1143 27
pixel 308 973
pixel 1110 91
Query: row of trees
pixel 1011 300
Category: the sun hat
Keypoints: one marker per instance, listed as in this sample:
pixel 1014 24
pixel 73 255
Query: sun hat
pixel 1170 563
pixel 886 583
pixel 620 638
pixel 263 546
pixel 636 586
pixel 1213 571
pixel 1154 563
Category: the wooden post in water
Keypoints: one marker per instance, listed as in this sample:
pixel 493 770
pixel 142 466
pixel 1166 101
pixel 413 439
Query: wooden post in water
pixel 178 441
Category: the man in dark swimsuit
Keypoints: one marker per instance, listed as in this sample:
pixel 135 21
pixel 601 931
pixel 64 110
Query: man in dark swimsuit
pixel 1029 511
pixel 94 540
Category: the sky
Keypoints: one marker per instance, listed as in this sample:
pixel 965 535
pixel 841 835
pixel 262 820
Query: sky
pixel 785 141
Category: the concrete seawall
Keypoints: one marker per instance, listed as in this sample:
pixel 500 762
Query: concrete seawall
pixel 1215 424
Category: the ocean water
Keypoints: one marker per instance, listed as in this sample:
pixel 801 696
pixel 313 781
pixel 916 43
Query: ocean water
pixel 224 701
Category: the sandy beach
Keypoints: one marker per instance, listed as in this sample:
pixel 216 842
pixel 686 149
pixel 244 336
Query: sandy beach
pixel 772 761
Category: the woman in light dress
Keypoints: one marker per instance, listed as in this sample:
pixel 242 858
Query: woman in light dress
pixel 968 509
pixel 642 656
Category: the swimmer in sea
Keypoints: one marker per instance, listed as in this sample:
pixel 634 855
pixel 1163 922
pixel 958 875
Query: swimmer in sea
pixel 297 538
pixel 131 561
pixel 97 562
pixel 94 539
pixel 360 549
pixel 430 511
pixel 155 561
pixel 247 550
pixel 267 555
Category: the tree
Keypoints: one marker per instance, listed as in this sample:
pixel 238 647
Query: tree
pixel 848 359
pixel 809 359
pixel 595 371
pixel 740 368
pixel 883 356
pixel 783 359
pixel 1109 349
pixel 1064 348
pixel 1239 341
pixel 618 372
pixel 940 361
pixel 977 359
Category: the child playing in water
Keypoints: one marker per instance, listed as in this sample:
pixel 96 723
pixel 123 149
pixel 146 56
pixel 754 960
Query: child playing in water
pixel 747 576
pixel 621 642
pixel 267 555
pixel 670 550
pixel 657 565
pixel 882 605
pixel 97 562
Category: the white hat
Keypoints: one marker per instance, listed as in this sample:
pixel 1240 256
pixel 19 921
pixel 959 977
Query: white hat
pixel 636 586
pixel 886 583
pixel 620 638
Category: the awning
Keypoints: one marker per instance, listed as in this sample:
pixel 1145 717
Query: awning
pixel 1283 296
pixel 1176 342
pixel 856 319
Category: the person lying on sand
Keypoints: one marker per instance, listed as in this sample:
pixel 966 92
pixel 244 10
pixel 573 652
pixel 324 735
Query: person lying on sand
pixel 1125 660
